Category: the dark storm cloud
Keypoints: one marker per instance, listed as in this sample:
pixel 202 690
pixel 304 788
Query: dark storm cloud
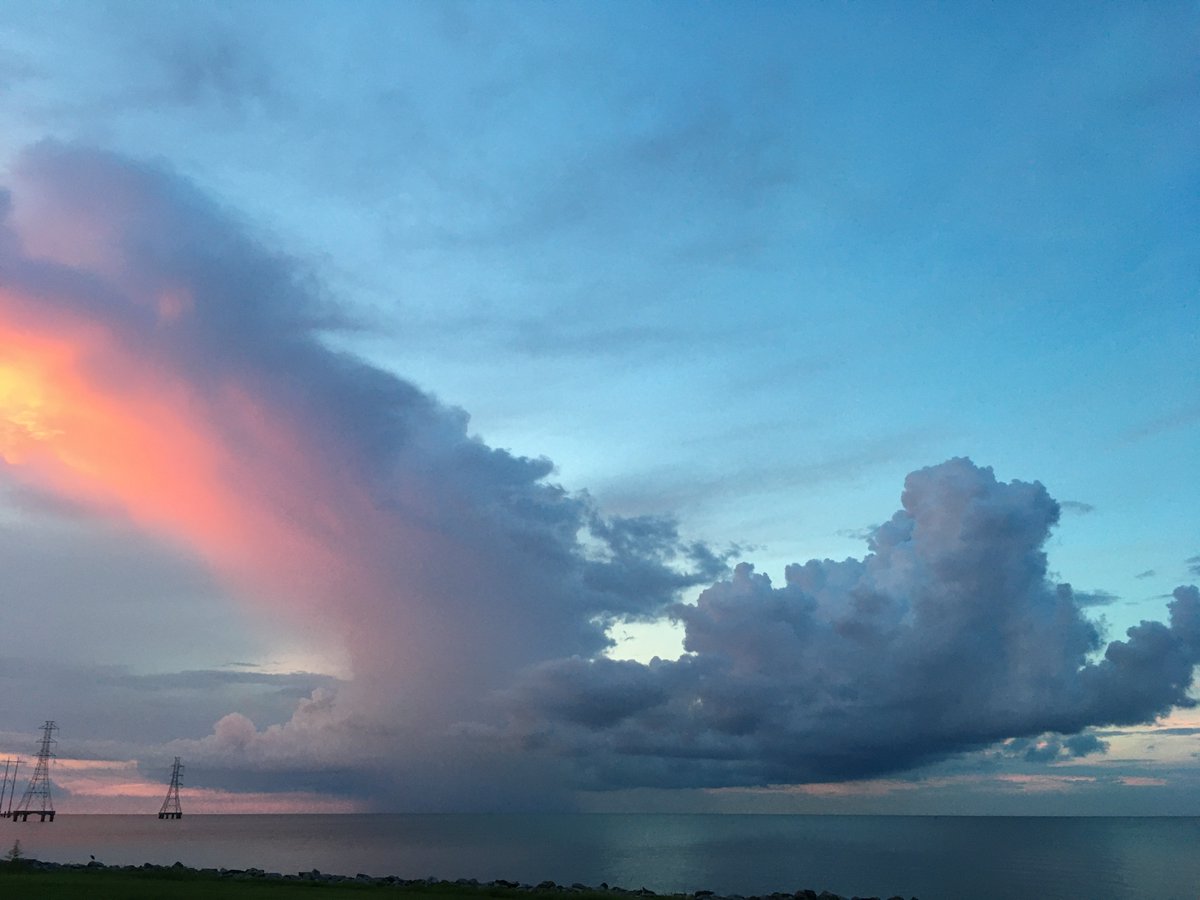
pixel 946 637
pixel 458 563
pixel 255 318
pixel 1148 674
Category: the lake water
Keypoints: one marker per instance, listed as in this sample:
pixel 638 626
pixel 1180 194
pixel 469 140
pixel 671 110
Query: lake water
pixel 929 857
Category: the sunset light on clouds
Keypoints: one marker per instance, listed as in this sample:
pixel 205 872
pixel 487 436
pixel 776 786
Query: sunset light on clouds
pixel 93 421
pixel 351 415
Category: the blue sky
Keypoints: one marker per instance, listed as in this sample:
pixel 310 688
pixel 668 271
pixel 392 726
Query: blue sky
pixel 742 266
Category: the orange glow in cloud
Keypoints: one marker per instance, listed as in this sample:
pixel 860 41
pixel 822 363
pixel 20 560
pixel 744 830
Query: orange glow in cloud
pixel 83 417
pixel 159 369
pixel 97 447
pixel 27 405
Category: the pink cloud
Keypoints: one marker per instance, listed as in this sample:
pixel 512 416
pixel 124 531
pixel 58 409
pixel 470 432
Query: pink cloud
pixel 1044 784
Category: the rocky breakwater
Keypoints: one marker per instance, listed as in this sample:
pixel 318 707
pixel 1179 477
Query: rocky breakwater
pixel 486 889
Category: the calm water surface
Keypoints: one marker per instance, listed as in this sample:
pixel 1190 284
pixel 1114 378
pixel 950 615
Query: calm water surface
pixel 930 857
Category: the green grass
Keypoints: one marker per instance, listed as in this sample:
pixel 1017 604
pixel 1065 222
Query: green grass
pixel 19 880
pixel 106 884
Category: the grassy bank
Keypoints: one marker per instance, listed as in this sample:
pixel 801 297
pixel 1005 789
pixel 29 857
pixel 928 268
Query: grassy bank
pixel 61 882
pixel 30 879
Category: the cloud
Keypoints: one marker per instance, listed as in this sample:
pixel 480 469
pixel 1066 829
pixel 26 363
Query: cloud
pixel 1181 417
pixel 106 710
pixel 159 365
pixel 1141 781
pixel 1042 784
pixel 125 786
pixel 209 64
pixel 1055 747
pixel 1095 598
pixel 945 638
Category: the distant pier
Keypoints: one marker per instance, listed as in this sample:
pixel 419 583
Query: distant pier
pixel 22 815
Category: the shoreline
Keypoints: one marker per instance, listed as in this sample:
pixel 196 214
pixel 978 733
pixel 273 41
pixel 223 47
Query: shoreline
pixel 499 888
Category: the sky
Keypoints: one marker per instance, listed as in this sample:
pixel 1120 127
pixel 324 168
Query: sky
pixel 777 407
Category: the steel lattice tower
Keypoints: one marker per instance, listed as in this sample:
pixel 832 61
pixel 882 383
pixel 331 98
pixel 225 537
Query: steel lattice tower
pixel 36 801
pixel 9 787
pixel 170 808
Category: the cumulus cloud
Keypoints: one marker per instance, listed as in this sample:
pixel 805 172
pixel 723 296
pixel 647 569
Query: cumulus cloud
pixel 946 637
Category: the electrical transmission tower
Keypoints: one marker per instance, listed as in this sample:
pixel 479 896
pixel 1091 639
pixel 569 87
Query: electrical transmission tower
pixel 8 787
pixel 36 801
pixel 170 808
